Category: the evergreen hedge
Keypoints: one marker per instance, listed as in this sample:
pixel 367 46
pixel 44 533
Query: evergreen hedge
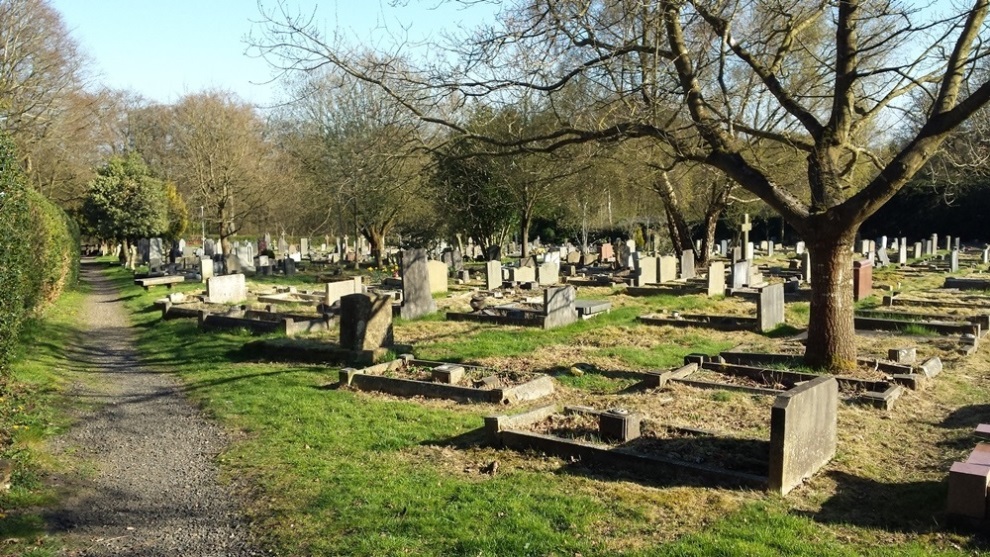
pixel 39 252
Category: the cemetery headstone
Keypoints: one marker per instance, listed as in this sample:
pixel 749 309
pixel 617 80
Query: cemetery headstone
pixel 746 228
pixel 228 289
pixel 365 322
pixel 417 300
pixel 806 266
pixel 749 251
pixel 862 279
pixel 770 308
pixel 493 274
pixel 954 261
pixel 740 273
pixel 917 251
pixel 666 269
pixel 333 291
pixel 902 253
pixel 799 248
pixel 607 254
pixel 438 276
pixel 205 268
pixel 646 270
pixel 559 306
pixel 304 247
pixel 716 279
pixel 687 264
pixel 548 273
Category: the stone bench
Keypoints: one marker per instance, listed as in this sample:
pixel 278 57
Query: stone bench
pixel 166 281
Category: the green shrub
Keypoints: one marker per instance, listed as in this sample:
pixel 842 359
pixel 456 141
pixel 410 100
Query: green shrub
pixel 39 252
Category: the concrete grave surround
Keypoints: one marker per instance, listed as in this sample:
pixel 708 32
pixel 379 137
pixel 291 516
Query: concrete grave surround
pixel 687 264
pixel 716 278
pixel 493 274
pixel 803 432
pixel 365 322
pixel 228 289
pixel 438 276
pixel 770 307
pixel 666 269
pixel 417 300
pixel 646 270
pixel 334 291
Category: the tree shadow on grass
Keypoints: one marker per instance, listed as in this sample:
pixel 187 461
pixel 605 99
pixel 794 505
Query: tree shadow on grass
pixel 907 507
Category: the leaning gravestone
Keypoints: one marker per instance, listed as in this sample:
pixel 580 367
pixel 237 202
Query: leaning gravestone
pixel 365 322
pixel 417 300
pixel 770 308
pixel 493 274
pixel 228 289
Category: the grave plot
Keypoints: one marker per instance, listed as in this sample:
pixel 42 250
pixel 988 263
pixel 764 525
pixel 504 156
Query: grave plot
pixel 803 434
pixel 878 383
pixel 769 314
pixel 969 330
pixel 558 307
pixel 411 378
pixel 261 322
pixel 943 299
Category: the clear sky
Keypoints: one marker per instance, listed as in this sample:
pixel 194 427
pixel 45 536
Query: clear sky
pixel 164 49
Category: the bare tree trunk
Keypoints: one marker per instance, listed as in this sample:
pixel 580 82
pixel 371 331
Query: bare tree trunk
pixel 680 232
pixel 377 239
pixel 708 240
pixel 831 332
pixel 524 226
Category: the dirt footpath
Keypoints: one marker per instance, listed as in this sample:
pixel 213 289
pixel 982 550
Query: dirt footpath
pixel 152 487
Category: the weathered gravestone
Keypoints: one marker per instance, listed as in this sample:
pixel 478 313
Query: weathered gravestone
pixel 902 253
pixel 687 264
pixel 806 266
pixel 558 303
pixel 365 322
pixel 740 274
pixel 438 276
pixel 205 269
pixel 548 273
pixel 749 251
pixel 417 300
pixel 333 291
pixel 646 270
pixel 666 269
pixel 803 432
pixel 209 247
pixel 954 261
pixel 304 247
pixel 493 274
pixel 716 279
pixel 522 274
pixel 917 251
pixel 228 289
pixel 770 307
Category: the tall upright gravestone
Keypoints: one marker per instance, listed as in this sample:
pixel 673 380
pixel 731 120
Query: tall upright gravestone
pixel 417 300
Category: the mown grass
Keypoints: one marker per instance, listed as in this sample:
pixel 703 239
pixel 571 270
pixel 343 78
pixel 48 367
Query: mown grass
pixel 33 409
pixel 333 472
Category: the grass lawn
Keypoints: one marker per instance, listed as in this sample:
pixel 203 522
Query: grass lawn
pixel 328 471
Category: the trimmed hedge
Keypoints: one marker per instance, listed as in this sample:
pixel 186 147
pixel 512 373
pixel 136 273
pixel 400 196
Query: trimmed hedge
pixel 39 252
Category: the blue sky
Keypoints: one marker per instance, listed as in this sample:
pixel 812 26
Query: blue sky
pixel 164 49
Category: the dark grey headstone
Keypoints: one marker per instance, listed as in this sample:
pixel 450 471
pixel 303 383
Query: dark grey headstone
pixel 365 322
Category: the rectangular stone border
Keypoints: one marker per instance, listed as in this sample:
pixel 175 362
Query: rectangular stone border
pixel 369 379
pixel 799 444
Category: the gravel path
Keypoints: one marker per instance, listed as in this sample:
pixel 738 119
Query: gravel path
pixel 154 490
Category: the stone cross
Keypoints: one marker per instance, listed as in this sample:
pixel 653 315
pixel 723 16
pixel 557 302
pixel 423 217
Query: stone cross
pixel 746 227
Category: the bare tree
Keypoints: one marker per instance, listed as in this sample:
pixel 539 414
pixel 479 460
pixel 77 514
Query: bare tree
pixel 221 160
pixel 716 82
